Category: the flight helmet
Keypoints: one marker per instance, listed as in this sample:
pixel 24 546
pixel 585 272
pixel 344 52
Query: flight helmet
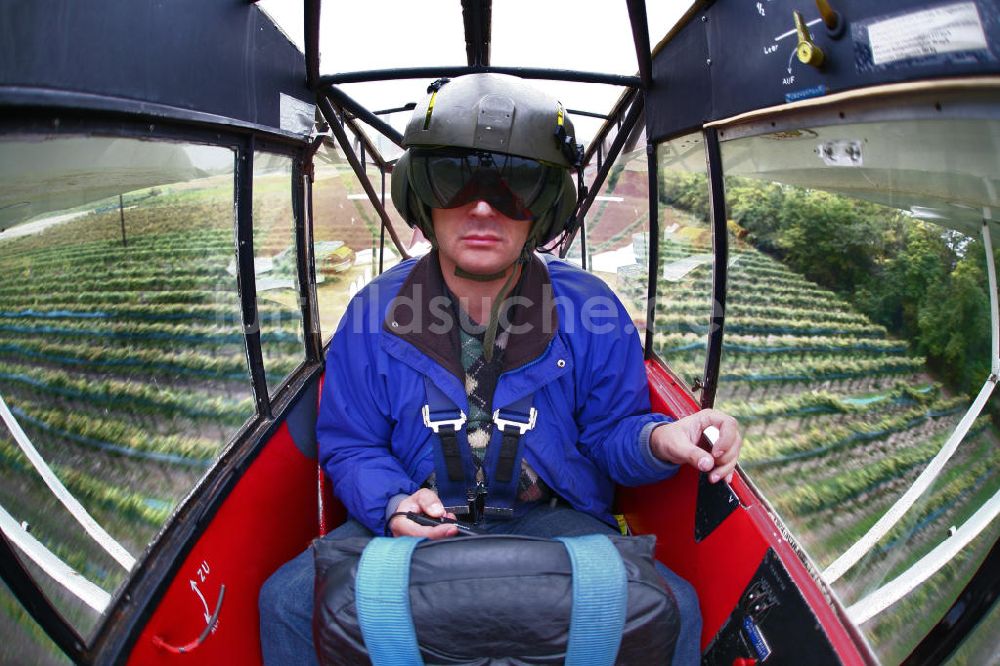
pixel 489 137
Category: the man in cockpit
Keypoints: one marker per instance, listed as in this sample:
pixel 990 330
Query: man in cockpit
pixel 485 381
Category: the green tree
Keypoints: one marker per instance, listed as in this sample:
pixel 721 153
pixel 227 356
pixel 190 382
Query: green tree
pixel 828 238
pixel 756 207
pixel 685 190
pixel 916 258
pixel 954 323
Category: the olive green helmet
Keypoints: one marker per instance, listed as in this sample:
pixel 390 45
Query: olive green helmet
pixel 494 137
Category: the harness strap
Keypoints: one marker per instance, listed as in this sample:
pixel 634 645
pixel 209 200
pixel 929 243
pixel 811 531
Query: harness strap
pixel 456 471
pixel 512 421
pixel 600 593
pixel 508 454
pixel 443 417
pixel 382 599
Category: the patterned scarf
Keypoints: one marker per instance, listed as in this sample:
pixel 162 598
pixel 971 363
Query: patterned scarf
pixel 480 383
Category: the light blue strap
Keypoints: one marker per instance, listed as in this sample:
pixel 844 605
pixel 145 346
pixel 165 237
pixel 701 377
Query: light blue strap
pixel 600 592
pixel 382 599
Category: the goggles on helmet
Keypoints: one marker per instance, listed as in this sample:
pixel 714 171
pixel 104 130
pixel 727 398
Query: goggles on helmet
pixel 518 187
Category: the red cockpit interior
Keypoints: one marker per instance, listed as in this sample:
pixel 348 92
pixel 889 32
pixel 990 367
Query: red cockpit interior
pixel 278 507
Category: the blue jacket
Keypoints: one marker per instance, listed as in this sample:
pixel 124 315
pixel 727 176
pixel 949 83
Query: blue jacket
pixel 572 345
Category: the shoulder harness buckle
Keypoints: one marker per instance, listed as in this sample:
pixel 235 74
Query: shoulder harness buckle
pixel 507 419
pixel 456 422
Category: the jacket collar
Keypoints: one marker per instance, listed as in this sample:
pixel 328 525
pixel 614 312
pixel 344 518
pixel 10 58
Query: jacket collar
pixel 421 314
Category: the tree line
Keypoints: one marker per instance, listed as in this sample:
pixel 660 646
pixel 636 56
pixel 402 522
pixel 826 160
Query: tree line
pixel 923 282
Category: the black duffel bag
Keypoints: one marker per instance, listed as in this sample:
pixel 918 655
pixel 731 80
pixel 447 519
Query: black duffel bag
pixel 492 599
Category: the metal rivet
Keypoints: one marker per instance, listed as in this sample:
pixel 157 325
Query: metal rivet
pixel 395 324
pixel 708 62
pixel 561 363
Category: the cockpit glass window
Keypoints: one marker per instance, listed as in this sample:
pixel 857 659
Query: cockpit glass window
pixel 858 350
pixel 684 291
pixel 276 268
pixel 122 364
pixel 615 232
pixel 346 233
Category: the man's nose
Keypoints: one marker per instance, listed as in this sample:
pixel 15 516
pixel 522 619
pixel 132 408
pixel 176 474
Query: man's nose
pixel 482 208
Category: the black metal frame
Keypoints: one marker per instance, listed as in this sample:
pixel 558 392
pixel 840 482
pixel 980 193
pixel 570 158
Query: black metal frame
pixel 652 246
pixel 246 280
pixel 365 140
pixel 326 108
pixel 34 600
pixel 640 37
pixel 452 71
pixel 635 112
pixel 720 267
pixel 306 266
pixel 588 114
pixel 614 119
pixel 972 605
pixel 477 16
pixel 345 101
pixel 311 16
pixel 301 158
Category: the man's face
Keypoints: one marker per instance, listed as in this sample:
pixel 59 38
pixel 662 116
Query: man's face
pixel 478 238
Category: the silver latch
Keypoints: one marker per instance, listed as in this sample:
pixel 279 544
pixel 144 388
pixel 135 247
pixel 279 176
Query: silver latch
pixel 521 426
pixel 436 425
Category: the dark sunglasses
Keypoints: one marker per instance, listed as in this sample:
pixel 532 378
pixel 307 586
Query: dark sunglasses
pixel 518 187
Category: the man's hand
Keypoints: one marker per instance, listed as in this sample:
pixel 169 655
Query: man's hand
pixel 423 501
pixel 677 443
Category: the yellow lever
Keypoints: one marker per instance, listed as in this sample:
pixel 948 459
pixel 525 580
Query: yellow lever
pixel 830 17
pixel 807 51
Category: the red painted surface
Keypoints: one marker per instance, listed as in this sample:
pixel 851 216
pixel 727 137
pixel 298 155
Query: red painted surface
pixel 722 564
pixel 270 517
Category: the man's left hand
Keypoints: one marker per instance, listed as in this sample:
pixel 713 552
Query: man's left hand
pixel 677 443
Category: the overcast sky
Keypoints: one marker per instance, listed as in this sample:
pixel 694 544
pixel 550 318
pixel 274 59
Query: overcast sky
pixel 585 35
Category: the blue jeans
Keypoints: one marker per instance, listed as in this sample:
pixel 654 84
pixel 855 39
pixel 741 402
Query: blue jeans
pixel 286 598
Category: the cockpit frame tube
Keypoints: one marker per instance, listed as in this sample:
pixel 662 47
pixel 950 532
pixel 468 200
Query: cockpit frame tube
pixel 366 142
pixel 476 15
pixel 326 108
pixel 611 120
pixel 439 72
pixel 31 596
pixel 640 36
pixel 246 282
pixel 305 261
pixel 311 33
pixel 583 206
pixel 653 177
pixel 720 266
pixel 343 100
